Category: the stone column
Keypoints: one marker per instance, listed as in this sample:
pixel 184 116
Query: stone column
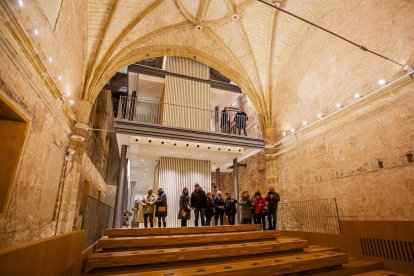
pixel 218 185
pixel 120 189
pixel 236 187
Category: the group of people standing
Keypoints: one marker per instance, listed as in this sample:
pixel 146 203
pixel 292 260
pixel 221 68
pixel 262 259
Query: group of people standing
pixel 253 209
pixel 235 126
pixel 206 207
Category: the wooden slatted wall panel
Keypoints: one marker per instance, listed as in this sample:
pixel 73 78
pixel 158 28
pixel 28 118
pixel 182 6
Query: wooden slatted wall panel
pixel 186 102
pixel 177 173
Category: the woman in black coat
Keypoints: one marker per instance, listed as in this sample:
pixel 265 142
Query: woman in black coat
pixel 161 207
pixel 184 210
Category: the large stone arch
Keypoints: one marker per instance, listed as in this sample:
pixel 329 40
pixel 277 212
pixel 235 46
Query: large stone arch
pixel 124 58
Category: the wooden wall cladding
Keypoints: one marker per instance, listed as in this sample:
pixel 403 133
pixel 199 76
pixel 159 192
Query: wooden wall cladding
pixel 392 242
pixel 57 255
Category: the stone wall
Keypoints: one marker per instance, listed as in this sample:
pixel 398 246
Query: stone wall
pixel 251 178
pixel 343 162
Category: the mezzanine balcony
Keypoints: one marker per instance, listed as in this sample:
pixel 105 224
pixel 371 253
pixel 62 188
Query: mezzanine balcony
pixel 184 122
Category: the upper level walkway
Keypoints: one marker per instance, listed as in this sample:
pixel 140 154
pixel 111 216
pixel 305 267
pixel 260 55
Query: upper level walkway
pixel 180 122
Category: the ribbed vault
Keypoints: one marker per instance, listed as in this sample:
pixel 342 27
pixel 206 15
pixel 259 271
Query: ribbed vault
pixel 243 39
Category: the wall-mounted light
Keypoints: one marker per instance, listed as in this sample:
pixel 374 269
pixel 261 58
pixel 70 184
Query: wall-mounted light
pixel 358 95
pixel 382 82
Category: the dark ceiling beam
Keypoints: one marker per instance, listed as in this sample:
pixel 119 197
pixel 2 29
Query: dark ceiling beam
pixel 156 72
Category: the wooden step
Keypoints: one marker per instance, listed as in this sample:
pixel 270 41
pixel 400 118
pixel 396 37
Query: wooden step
pixel 355 266
pixel 280 265
pixel 151 256
pixel 196 263
pixel 180 240
pixel 381 273
pixel 134 232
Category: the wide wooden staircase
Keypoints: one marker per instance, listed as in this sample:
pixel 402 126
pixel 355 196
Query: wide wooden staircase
pixel 216 250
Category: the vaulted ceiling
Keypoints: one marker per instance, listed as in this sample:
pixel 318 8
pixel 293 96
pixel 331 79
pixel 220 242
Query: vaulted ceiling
pixel 243 39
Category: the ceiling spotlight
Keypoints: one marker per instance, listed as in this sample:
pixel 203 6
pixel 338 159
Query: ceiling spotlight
pixel 305 123
pixel 50 59
pixel 382 82
pixel 21 4
pixel 292 130
pixel 71 102
pixel 320 115
pixel 358 95
pixel 59 78
pixel 67 94
pixel 36 32
pixel 338 105
pixel 284 133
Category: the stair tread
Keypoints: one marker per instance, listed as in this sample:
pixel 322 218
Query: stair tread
pixel 147 256
pixel 380 272
pixel 279 265
pixel 168 240
pixel 355 266
pixel 130 232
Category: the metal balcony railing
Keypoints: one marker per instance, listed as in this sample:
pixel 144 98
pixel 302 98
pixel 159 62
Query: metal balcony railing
pixel 319 216
pixel 180 116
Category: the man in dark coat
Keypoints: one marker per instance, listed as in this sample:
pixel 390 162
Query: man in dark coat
pixel 198 204
pixel 230 208
pixel 272 199
pixel 218 208
pixel 241 121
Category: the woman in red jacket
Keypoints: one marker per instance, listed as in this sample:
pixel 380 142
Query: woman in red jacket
pixel 260 209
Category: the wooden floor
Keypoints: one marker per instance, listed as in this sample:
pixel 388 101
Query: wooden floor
pixel 216 250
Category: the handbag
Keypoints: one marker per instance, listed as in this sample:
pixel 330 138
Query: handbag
pixel 183 213
pixel 162 209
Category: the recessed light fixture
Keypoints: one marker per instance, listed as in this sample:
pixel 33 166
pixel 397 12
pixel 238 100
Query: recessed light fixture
pixel 146 169
pixel 305 123
pixel 284 133
pixel 71 102
pixel 382 82
pixel 21 4
pixel 320 115
pixel 36 32
pixel 198 146
pixel 145 150
pixel 175 144
pixel 338 105
pixel 187 145
pixel 162 142
pixel 59 78
pixel 292 130
pixel 50 59
pixel 357 95
pixel 67 93
pixel 142 160
pixel 149 141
